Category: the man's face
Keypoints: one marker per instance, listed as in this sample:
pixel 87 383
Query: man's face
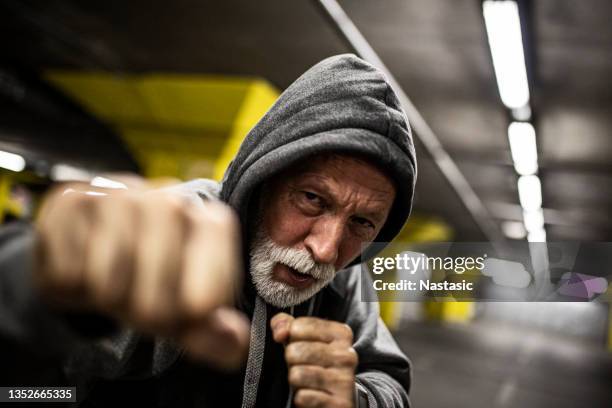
pixel 313 221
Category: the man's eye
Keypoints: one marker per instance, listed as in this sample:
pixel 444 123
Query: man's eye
pixel 312 197
pixel 310 203
pixel 362 222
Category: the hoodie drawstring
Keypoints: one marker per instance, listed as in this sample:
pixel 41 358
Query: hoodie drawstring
pixel 257 345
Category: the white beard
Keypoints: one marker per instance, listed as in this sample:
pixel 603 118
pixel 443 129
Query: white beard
pixel 265 253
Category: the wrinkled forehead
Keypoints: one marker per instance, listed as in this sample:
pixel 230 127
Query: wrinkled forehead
pixel 346 164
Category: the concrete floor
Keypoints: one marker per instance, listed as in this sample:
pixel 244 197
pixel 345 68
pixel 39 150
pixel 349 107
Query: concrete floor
pixel 487 364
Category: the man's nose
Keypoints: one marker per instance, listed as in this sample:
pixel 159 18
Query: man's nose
pixel 324 240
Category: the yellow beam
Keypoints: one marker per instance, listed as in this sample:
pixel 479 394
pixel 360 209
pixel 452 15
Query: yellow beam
pixel 4 195
pixel 7 204
pixel 259 98
pixel 183 126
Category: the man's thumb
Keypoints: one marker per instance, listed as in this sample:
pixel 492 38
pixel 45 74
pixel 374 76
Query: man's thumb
pixel 281 327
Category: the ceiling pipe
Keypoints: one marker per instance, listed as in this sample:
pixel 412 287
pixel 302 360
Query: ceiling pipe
pixel 358 43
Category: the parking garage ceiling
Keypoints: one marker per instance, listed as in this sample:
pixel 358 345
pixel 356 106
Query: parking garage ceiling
pixel 437 49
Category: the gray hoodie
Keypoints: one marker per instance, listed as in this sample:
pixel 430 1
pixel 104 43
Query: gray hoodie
pixel 341 104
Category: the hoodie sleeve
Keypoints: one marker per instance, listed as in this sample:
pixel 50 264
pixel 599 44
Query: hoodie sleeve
pixel 24 320
pixel 384 372
pixel 38 343
pixel 82 345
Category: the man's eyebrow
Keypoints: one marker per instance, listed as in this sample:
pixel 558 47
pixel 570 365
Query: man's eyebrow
pixel 374 215
pixel 304 177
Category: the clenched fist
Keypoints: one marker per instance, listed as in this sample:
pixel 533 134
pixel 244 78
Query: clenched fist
pixel 320 358
pixel 156 263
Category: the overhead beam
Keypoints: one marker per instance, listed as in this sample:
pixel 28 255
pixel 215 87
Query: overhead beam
pixel 358 43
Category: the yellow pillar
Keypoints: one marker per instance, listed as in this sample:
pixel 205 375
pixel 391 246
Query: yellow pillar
pixel 4 195
pixel 259 97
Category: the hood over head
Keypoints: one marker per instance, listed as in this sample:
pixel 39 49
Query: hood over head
pixel 340 105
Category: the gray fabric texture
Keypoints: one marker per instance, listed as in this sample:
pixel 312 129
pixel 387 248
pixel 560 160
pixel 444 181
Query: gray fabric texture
pixel 342 104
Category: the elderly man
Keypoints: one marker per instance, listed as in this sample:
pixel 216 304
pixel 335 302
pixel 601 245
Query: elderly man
pixel 136 297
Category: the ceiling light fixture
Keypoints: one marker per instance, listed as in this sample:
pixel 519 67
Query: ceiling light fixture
pixel 530 192
pixel 523 148
pixel 12 161
pixel 538 235
pixel 534 219
pixel 506 42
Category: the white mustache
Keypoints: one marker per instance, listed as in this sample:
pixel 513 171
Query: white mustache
pixel 300 260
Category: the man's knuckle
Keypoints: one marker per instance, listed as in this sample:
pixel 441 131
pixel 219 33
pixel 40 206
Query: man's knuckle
pixel 305 325
pixel 297 328
pixel 293 353
pixel 348 357
pixel 304 398
pixel 343 380
pixel 341 403
pixel 302 351
pixel 279 317
pixel 296 375
pixel 320 377
pixel 347 332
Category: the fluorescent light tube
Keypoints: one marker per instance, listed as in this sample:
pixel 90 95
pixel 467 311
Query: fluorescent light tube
pixel 533 220
pixel 12 161
pixel 530 192
pixel 537 235
pixel 505 40
pixel 523 148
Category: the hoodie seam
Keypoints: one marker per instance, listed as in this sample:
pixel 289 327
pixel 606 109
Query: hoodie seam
pixel 389 119
pixel 390 122
pixel 275 149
